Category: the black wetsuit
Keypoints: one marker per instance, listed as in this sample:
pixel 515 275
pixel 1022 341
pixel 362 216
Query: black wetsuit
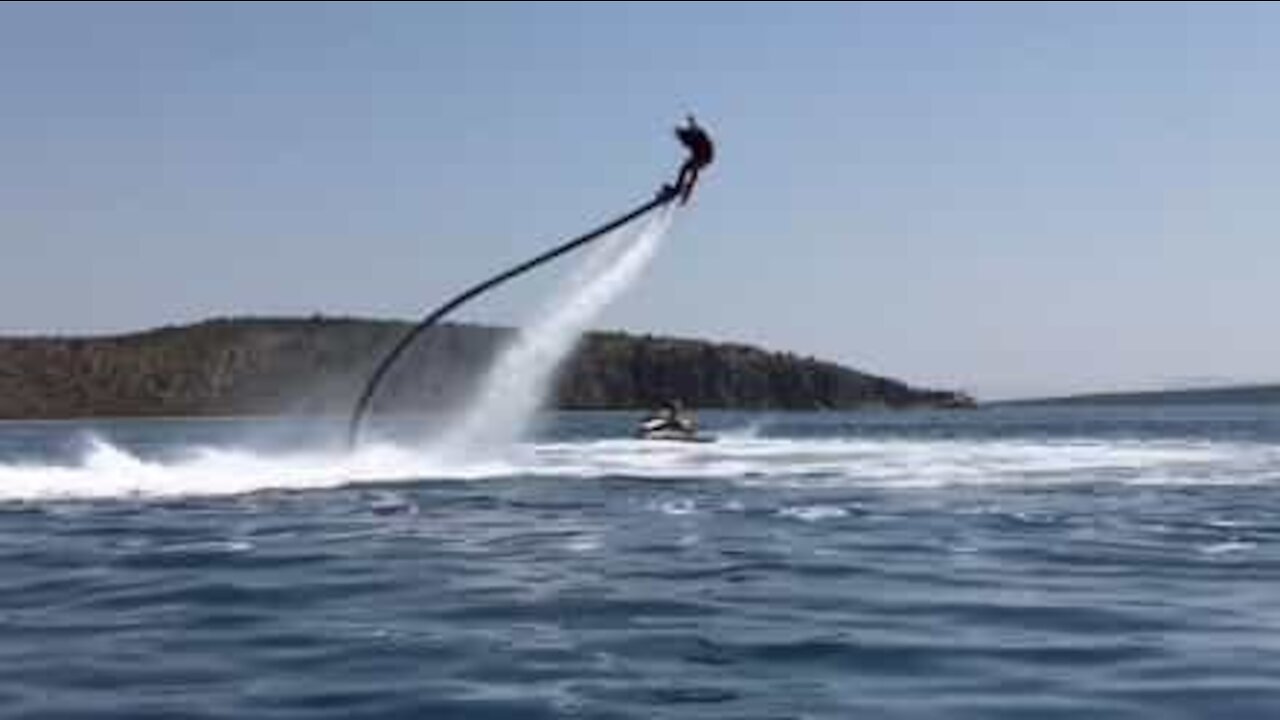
pixel 701 153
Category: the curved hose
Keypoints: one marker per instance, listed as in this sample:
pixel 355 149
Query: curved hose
pixel 666 195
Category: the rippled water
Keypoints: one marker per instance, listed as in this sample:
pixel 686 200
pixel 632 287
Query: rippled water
pixel 1092 563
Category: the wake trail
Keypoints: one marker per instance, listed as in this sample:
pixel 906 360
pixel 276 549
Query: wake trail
pixel 108 472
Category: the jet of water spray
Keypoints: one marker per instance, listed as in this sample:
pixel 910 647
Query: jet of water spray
pixel 519 381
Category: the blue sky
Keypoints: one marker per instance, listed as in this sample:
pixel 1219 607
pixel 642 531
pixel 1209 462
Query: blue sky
pixel 1009 199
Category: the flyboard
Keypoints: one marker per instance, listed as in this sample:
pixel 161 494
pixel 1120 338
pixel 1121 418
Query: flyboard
pixel 666 195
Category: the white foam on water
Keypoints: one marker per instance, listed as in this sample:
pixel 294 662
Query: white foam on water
pixel 105 471
pixel 1231 546
pixel 813 513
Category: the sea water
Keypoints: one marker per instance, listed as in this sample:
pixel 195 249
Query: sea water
pixel 1005 562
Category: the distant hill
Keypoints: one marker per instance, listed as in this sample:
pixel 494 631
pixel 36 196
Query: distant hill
pixel 1234 395
pixel 268 366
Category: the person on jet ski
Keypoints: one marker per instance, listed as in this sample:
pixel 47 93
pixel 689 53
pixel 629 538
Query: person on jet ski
pixel 670 417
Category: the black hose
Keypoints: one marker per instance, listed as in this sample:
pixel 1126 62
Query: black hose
pixel 665 196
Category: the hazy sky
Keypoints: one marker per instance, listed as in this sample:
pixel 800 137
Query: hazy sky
pixel 1008 199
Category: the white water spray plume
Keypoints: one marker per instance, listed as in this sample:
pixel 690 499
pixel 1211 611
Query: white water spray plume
pixel 520 380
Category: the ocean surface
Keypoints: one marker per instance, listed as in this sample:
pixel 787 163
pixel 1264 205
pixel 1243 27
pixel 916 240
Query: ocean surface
pixel 1013 562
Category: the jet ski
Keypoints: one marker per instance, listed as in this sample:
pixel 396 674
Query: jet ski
pixel 674 435
pixel 671 424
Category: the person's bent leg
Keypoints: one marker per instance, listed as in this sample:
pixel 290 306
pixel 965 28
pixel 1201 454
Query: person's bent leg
pixel 688 186
pixel 683 177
